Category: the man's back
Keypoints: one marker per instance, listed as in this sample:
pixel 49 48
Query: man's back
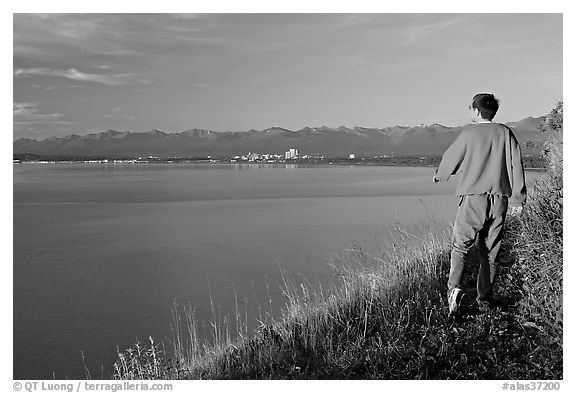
pixel 487 156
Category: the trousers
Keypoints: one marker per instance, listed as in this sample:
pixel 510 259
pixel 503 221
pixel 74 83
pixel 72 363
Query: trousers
pixel 479 216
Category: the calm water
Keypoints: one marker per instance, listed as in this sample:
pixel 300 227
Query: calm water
pixel 102 251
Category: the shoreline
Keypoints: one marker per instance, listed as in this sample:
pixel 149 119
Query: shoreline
pixel 261 164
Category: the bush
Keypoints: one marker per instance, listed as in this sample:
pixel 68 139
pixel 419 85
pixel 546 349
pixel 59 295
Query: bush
pixel 539 241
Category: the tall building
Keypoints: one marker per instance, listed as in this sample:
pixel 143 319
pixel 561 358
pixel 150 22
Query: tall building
pixel 291 154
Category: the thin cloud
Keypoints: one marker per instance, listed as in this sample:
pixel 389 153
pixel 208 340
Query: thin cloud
pixel 119 112
pixel 42 87
pixel 352 20
pixel 27 112
pixel 74 74
pixel 41 36
pixel 425 31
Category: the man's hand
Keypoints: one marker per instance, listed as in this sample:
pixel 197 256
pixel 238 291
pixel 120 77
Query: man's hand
pixel 515 211
pixel 434 179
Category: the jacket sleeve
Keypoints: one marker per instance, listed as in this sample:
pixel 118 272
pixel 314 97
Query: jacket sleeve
pixel 518 181
pixel 452 158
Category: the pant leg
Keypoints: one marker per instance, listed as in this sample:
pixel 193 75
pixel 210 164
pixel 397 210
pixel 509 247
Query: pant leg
pixel 491 239
pixel 469 221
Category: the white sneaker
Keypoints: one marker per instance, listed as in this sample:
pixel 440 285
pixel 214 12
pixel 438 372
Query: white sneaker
pixel 454 300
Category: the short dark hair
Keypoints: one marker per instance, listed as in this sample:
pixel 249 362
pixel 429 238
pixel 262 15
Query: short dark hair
pixel 487 104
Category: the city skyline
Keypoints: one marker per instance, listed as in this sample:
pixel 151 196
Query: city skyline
pixel 86 73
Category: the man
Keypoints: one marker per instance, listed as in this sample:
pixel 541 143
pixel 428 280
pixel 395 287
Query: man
pixel 487 157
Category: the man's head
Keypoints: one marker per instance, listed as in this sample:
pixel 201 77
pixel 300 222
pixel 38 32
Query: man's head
pixel 484 107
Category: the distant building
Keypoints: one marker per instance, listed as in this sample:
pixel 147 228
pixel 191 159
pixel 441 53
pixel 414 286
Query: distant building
pixel 253 156
pixel 291 154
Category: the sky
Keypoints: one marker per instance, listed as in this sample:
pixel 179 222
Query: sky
pixel 86 73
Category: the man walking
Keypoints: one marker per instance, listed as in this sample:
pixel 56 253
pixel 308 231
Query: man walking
pixel 487 157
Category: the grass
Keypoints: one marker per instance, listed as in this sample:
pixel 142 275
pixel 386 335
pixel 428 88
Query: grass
pixel 386 317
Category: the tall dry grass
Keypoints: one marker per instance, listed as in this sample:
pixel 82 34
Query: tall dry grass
pixel 376 301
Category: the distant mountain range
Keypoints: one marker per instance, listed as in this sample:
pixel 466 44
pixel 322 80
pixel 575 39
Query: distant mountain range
pixel 430 139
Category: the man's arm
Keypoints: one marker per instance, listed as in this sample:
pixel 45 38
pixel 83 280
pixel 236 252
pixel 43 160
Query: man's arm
pixel 518 180
pixel 451 159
